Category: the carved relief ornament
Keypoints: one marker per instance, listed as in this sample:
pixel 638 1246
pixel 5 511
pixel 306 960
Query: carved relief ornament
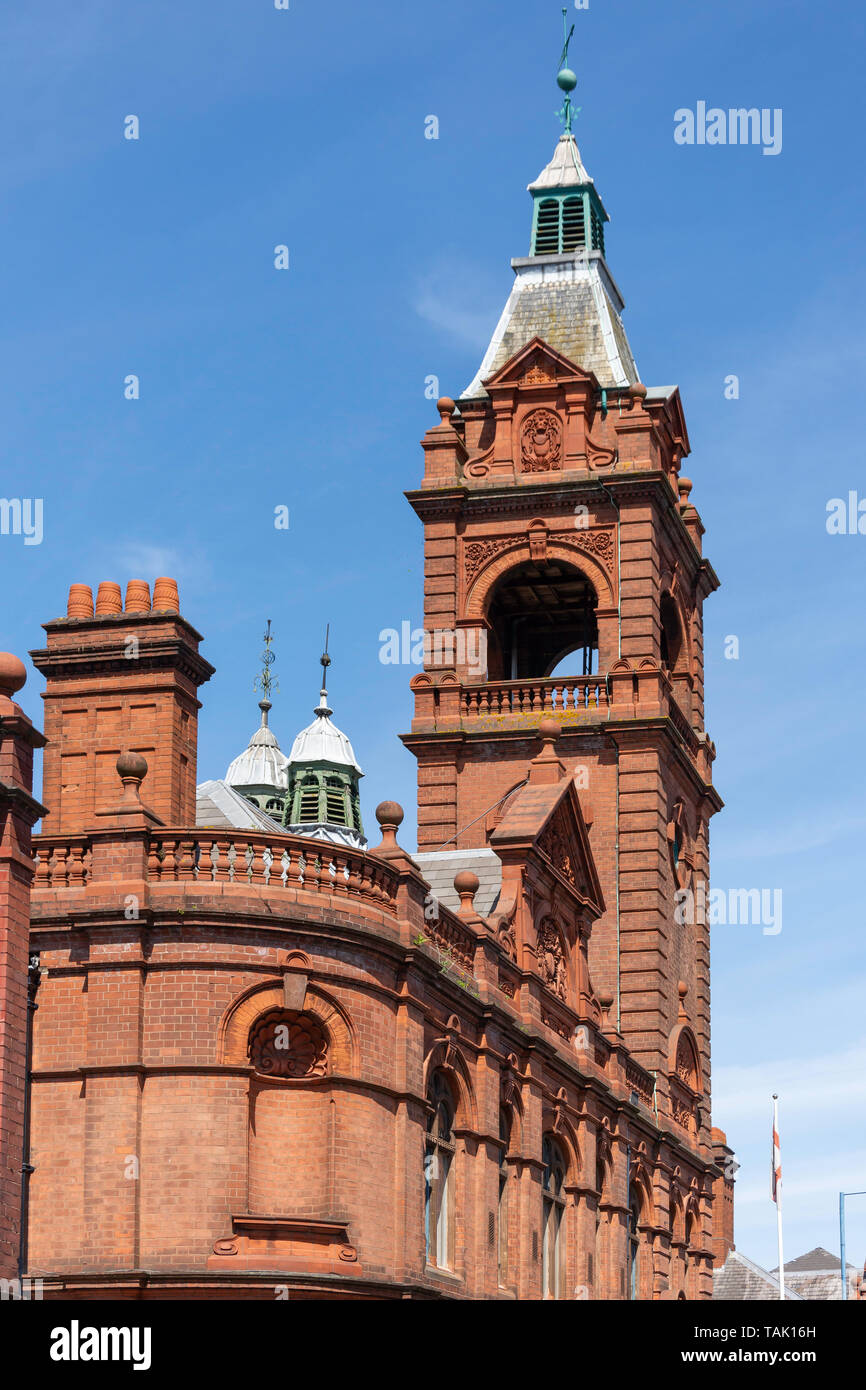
pixel 541 442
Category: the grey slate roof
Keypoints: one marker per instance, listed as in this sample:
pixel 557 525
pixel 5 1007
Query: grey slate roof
pixel 817 1275
pixel 742 1281
pixel 816 1259
pixel 572 303
pixel 219 807
pixel 440 866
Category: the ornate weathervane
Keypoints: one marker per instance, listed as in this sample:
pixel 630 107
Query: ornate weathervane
pixel 566 80
pixel 265 682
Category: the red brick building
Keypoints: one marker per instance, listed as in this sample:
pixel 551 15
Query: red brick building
pixel 276 1064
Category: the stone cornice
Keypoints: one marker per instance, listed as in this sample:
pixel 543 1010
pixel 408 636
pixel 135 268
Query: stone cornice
pixel 11 795
pixel 155 653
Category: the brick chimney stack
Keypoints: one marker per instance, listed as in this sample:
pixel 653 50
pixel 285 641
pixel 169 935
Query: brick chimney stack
pixel 122 677
pixel 18 814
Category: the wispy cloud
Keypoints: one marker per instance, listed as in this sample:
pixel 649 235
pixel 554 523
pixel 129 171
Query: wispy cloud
pixel 141 560
pixel 461 300
pixel 811 1086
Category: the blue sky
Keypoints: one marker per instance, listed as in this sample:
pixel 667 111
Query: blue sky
pixel 306 388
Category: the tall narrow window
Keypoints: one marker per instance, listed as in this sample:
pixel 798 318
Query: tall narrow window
pixel 687 1277
pixel 502 1230
pixel 553 1183
pixel 438 1175
pixel 634 1249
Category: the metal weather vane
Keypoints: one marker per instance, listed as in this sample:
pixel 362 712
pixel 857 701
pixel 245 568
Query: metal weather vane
pixel 566 79
pixel 265 682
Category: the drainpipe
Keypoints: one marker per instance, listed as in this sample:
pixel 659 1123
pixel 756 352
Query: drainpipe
pixel 33 977
pixel 615 506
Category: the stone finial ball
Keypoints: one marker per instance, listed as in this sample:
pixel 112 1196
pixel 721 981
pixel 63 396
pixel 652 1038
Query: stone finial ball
pixel 682 989
pixel 605 1000
pixel 13 673
pixel 566 80
pixel 466 882
pixel 389 813
pixel 639 391
pixel 549 729
pixel 132 765
pixel 446 407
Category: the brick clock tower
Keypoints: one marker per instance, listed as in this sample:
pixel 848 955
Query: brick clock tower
pixel 562 546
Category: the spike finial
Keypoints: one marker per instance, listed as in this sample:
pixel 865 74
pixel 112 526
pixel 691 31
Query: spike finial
pixel 322 706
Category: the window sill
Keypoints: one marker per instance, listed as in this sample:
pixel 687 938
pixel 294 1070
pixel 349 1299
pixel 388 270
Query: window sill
pixel 447 1274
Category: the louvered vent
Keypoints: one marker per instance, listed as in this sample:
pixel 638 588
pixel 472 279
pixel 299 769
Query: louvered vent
pixel 310 805
pixel 336 808
pixel 547 228
pixel 597 232
pixel 573 227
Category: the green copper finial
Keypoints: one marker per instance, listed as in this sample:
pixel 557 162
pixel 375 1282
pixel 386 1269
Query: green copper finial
pixel 566 80
pixel 265 682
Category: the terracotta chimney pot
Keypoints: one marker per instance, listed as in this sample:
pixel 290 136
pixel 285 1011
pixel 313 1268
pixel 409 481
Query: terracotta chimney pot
pixel 80 601
pixel 137 596
pixel 165 596
pixel 108 599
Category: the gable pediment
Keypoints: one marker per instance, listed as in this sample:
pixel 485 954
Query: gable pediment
pixel 537 364
pixel 546 822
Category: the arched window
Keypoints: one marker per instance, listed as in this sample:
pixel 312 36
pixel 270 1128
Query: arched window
pixel 671 634
pixel 634 1271
pixel 553 1201
pixel 502 1213
pixel 687 1258
pixel 438 1175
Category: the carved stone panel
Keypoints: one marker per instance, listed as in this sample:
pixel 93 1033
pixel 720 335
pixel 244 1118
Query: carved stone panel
pixel 288 1044
pixel 550 956
pixel 541 442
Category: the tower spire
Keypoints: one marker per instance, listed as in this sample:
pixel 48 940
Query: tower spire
pixel 566 79
pixel 265 681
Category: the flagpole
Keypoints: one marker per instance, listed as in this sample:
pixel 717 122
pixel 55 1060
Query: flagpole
pixel 777 1192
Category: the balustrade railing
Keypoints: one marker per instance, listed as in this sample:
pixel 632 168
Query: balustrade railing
pixel 578 693
pixel 231 856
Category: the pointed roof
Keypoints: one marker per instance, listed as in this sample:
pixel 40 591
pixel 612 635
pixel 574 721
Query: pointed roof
pixel 740 1279
pixel 262 763
pixel 817 1259
pixel 568 299
pixel 219 807
pixel 322 741
pixel 565 170
pixel 546 818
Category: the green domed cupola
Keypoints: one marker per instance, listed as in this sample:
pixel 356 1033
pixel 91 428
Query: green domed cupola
pixel 323 798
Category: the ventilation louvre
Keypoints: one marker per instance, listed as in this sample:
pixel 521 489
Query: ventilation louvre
pixel 547 228
pixel 573 224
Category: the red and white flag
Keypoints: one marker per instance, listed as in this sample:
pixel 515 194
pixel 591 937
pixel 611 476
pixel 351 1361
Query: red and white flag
pixel 776 1178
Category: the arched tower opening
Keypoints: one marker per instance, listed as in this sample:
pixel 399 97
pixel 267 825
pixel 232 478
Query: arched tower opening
pixel 541 617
